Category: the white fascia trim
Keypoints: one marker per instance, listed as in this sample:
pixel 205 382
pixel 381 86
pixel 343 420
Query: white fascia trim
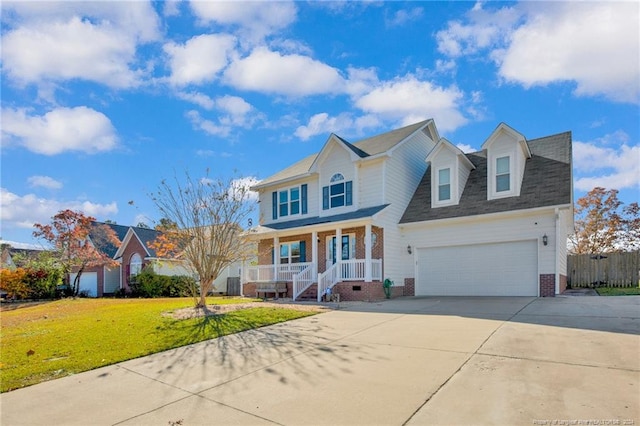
pixel 488 216
pixel 281 181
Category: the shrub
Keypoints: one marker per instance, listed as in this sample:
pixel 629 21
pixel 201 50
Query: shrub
pixel 14 283
pixel 149 284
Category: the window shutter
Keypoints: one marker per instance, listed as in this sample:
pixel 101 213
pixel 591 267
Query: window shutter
pixel 273 256
pixel 303 198
pixel 274 207
pixel 303 251
pixel 325 197
pixel 348 196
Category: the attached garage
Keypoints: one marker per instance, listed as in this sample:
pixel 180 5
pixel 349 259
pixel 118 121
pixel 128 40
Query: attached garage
pixel 495 269
pixel 88 283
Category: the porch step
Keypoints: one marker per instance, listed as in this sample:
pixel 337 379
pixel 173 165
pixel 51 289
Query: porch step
pixel 310 294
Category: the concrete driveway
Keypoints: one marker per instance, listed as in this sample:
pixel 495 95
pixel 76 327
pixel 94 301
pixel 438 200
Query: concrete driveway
pixel 568 360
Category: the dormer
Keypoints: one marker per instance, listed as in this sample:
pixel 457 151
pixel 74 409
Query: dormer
pixel 507 152
pixel 450 170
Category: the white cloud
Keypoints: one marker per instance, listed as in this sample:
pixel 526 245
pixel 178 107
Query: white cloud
pixel 171 8
pixel 410 100
pixel 595 45
pixel 343 125
pixel 63 129
pixel 291 75
pixel 236 112
pixel 197 98
pixel 207 126
pixel 44 182
pixel 466 148
pixel 604 163
pixel 199 59
pixel 403 16
pixel 59 41
pixel 255 20
pixel 23 211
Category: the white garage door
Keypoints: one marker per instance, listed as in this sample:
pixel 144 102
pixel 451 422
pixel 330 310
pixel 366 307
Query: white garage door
pixel 497 269
pixel 88 283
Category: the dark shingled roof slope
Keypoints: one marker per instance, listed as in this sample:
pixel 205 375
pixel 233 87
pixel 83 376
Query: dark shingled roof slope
pixel 546 182
pixel 316 220
pixel 108 248
pixel 147 236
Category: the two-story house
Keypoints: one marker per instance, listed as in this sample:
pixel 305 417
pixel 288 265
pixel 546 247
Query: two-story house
pixel 409 206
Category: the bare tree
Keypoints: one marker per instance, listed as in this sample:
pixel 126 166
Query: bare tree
pixel 207 235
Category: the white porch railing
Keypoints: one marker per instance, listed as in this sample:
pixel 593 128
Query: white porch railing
pixel 282 272
pixel 302 274
pixel 327 280
pixel 303 281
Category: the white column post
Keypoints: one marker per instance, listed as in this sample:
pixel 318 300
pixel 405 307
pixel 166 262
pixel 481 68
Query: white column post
pixel 276 257
pixel 367 253
pixel 338 252
pixel 314 252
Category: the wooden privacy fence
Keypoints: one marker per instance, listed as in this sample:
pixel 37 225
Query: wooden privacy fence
pixel 607 270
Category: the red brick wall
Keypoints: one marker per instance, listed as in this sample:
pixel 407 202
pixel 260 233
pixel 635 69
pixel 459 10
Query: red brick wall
pixel 563 283
pixel 547 285
pixel 409 287
pixel 134 246
pixel 368 292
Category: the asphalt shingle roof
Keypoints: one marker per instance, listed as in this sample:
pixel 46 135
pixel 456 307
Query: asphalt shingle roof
pixel 316 220
pixel 365 148
pixel 546 182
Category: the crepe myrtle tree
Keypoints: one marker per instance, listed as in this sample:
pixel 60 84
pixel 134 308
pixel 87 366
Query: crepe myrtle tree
pixel 201 225
pixel 75 241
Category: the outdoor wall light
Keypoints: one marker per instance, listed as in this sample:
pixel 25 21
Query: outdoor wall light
pixel 409 249
pixel 545 239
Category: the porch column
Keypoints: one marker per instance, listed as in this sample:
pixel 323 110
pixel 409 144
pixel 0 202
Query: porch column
pixel 276 257
pixel 338 252
pixel 314 252
pixel 367 253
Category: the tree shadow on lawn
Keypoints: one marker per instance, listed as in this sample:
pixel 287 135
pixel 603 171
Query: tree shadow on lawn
pixel 252 347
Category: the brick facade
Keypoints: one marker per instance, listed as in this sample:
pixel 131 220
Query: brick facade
pixel 133 247
pixel 548 285
pixel 563 283
pixel 409 287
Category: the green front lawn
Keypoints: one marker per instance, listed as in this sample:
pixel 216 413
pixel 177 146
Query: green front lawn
pixel 618 291
pixel 64 337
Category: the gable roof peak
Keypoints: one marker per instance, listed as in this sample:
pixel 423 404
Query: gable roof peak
pixel 505 128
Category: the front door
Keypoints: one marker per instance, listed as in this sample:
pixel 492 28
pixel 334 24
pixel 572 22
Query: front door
pixel 348 248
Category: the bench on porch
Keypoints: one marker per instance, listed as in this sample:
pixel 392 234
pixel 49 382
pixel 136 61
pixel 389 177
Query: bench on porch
pixel 275 287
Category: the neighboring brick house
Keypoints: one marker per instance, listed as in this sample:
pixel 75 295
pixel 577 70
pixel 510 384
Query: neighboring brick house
pixel 410 206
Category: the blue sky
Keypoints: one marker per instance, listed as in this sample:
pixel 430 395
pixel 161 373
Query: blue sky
pixel 103 100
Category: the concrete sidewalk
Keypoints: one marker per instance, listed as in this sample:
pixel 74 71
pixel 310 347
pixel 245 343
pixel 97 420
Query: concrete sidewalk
pixel 406 361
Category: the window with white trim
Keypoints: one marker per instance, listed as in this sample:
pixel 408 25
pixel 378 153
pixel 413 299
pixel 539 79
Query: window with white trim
pixel 338 194
pixel 135 265
pixel 290 202
pixel 503 174
pixel 444 184
pixel 292 252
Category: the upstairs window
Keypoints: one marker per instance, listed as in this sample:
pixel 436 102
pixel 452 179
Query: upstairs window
pixel 338 194
pixel 290 201
pixel 503 175
pixel 444 184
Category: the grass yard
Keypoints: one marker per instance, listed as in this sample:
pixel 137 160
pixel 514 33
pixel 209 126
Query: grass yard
pixel 64 337
pixel 618 291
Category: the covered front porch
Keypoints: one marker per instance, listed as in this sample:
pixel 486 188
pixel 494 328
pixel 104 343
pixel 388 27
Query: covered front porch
pixel 316 261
